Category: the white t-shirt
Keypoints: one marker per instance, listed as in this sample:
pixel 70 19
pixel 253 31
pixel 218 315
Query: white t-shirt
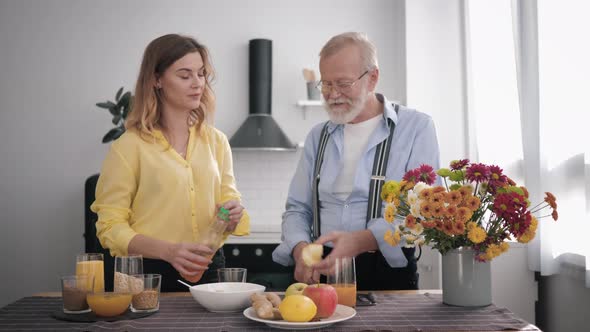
pixel 356 138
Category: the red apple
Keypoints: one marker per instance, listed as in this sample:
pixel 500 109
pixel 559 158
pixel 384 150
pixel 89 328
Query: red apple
pixel 325 298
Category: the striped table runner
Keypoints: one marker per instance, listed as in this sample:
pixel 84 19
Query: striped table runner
pixel 394 312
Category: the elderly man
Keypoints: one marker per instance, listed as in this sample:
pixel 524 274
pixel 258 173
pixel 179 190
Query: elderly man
pixel 335 190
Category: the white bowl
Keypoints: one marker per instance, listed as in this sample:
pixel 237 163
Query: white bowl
pixel 225 296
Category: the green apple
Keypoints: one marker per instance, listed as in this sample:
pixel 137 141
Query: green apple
pixel 295 289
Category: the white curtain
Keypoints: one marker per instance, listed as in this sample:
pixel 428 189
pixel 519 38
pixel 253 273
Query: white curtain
pixel 529 74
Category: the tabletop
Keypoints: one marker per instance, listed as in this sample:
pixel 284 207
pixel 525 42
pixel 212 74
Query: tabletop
pixel 395 311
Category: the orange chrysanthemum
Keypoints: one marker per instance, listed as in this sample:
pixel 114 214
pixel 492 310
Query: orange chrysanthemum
pixel 454 197
pixel 426 194
pixel 465 191
pixel 459 227
pixel 448 227
pixel 472 203
pixel 426 209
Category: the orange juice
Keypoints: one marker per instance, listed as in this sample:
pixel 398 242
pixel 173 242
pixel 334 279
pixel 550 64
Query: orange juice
pixel 109 304
pixel 95 268
pixel 198 277
pixel 346 294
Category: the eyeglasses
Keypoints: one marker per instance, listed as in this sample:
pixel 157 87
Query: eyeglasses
pixel 342 86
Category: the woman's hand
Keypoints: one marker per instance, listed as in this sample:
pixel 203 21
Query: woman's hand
pixel 236 211
pixel 189 258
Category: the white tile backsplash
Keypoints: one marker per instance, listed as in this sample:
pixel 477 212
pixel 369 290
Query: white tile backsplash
pixel 263 178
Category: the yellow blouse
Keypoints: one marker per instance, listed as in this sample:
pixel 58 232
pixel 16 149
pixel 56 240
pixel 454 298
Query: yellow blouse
pixel 148 188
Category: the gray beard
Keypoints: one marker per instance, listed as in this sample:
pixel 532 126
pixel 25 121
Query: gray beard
pixel 344 117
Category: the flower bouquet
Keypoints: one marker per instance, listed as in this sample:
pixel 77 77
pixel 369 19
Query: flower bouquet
pixel 468 219
pixel 476 206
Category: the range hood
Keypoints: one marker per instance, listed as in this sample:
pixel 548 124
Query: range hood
pixel 260 131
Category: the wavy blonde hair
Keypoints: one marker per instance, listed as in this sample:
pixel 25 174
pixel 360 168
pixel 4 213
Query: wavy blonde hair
pixel 159 55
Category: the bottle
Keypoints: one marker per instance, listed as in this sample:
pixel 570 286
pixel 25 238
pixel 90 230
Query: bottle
pixel 212 238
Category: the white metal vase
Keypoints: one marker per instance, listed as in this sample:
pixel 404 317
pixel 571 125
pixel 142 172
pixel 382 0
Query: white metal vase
pixel 465 281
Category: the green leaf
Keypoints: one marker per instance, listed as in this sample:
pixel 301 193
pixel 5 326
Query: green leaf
pixel 106 105
pixel 116 119
pixel 115 110
pixel 119 94
pixel 113 134
pixel 124 101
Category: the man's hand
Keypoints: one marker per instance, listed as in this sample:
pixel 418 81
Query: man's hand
pixel 303 273
pixel 345 244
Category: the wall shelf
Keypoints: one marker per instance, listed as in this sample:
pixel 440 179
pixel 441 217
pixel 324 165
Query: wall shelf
pixel 306 104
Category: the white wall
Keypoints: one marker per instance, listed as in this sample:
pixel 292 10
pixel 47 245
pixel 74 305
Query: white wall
pixel 58 58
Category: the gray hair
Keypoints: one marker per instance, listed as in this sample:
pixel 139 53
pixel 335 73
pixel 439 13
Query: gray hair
pixel 359 39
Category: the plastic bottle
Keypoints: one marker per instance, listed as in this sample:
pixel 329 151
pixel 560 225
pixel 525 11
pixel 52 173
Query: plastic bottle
pixel 212 238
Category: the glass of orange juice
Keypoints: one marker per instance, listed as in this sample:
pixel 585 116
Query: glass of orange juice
pixel 343 278
pixel 92 264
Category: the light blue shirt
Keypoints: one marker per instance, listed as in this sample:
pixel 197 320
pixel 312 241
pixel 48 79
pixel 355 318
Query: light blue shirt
pixel 414 143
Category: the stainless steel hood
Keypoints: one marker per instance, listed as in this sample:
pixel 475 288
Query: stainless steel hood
pixel 260 131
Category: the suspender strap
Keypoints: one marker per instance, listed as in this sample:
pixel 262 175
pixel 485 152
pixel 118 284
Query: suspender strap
pixel 324 136
pixel 378 176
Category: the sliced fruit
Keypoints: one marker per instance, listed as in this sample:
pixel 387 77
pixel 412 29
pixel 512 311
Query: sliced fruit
pixel 312 254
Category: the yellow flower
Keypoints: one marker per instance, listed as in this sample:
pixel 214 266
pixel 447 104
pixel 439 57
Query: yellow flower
pixel 471 225
pixel 417 229
pixel 390 188
pixel 493 251
pixel 392 238
pixel 504 246
pixel 406 185
pixel 527 236
pixel 390 211
pixel 530 233
pixel 476 234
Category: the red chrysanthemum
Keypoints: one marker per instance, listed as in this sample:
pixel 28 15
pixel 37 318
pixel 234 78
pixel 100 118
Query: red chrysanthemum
pixel 412 176
pixel 477 173
pixel 427 174
pixel 496 178
pixel 459 164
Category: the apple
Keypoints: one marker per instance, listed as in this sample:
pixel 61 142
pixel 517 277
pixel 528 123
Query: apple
pixel 325 298
pixel 295 289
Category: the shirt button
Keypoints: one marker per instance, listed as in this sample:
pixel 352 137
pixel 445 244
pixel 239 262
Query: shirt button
pixel 192 189
pixel 346 206
pixel 193 214
pixel 186 166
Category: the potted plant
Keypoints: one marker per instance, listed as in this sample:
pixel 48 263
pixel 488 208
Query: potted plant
pixel 119 110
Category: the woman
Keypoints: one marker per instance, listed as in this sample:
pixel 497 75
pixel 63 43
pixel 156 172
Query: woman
pixel 164 180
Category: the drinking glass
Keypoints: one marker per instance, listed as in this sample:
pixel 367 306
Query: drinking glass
pixel 343 278
pixel 74 290
pixel 231 274
pixel 125 268
pixel 92 264
pixel 148 299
